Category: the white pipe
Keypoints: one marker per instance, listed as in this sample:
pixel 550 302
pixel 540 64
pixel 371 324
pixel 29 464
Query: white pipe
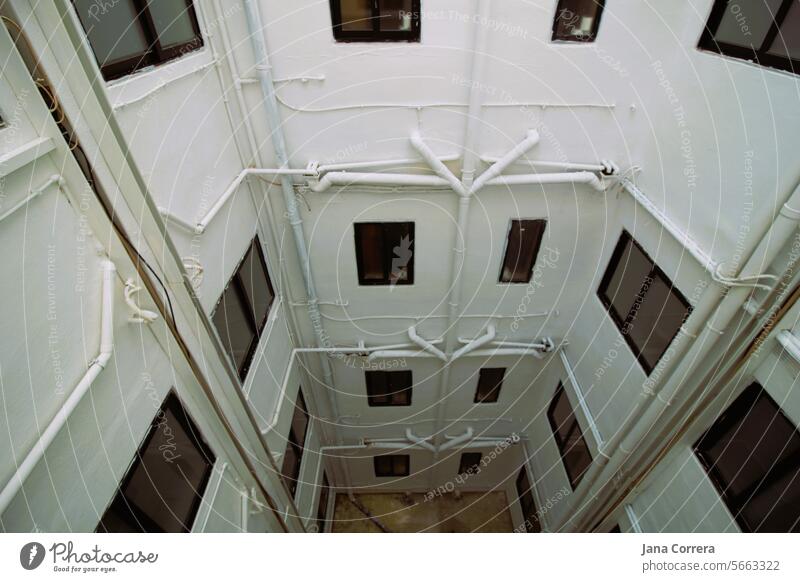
pixel 556 165
pixel 708 263
pixel 598 438
pixel 716 314
pixel 483 9
pixel 491 333
pixel 453 443
pixel 512 156
pixel 500 352
pixel 790 343
pixel 555 178
pixel 425 344
pixel 420 441
pixel 25 468
pixel 324 168
pixel 436 164
pixel 54 180
pixel 139 315
pixel 356 178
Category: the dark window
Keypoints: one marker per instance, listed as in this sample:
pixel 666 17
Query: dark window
pixel 391 465
pixel 615 529
pixel 643 303
pixel 489 382
pixel 163 487
pixel 522 247
pixel 293 457
pixel 388 388
pixel 375 20
pixel 241 313
pixel 752 455
pixel 128 35
pixel 385 253
pixel 764 31
pixel 527 504
pixel 577 20
pixel 470 463
pixel 571 445
pixel 322 508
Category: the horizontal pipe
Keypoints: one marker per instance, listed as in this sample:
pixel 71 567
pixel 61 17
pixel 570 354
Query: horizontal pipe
pixel 25 468
pixel 512 156
pixel 455 442
pixel 325 168
pixel 419 441
pixel 436 164
pixel 491 333
pixel 356 178
pixel 425 344
pixel 53 180
pixel 555 165
pixel 556 178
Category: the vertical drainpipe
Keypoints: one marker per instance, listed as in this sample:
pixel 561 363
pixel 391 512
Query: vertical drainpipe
pixel 264 71
pixel 470 158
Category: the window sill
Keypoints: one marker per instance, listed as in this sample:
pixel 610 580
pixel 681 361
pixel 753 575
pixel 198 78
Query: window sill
pixel 139 85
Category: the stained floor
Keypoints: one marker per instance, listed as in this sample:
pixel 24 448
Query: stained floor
pixel 409 513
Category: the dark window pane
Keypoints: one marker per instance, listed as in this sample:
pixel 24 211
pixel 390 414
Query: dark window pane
pixel 395 14
pixel 357 14
pixel 568 436
pixel 627 279
pixel 527 504
pixel 766 32
pixel 746 22
pixel 470 463
pixel 787 41
pixel 522 246
pixel 370 252
pixel 388 388
pixel 752 455
pixel 292 460
pixel 375 20
pixel 489 382
pixel 577 20
pixel 391 465
pixel 162 490
pixel 300 420
pixel 253 274
pixel 656 322
pixel 234 326
pixel 322 507
pixel 385 253
pixel 241 313
pixel 644 305
pixel 173 21
pixel 114 31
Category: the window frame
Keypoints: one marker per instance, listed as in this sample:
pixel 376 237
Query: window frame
pixel 155 54
pixel 403 458
pixel 539 222
pixel 562 442
pixel 256 328
pixel 535 525
pixel 375 35
pixel 601 4
pixel 322 503
pixel 371 379
pixel 388 254
pixel 494 390
pixel 125 507
pixel 736 413
pixel 758 56
pixel 623 323
pixel 468 465
pixel 298 446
